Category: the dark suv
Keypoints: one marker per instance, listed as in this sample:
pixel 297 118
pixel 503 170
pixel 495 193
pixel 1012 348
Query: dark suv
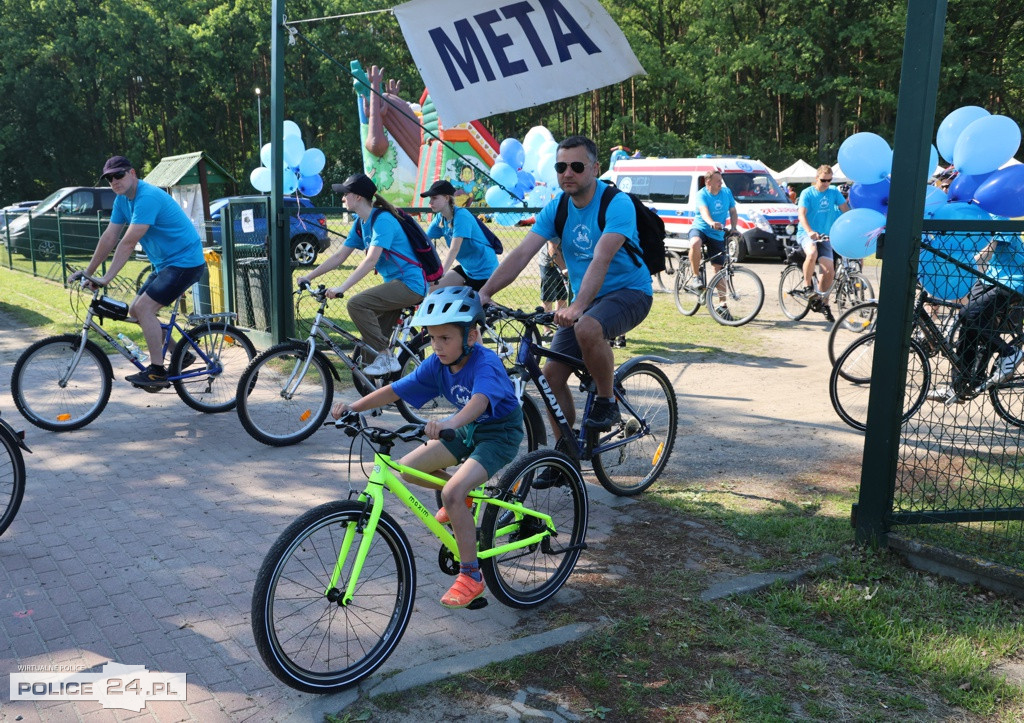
pixel 75 216
pixel 307 227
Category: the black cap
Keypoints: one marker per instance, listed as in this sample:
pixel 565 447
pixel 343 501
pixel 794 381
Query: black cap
pixel 359 184
pixel 439 188
pixel 116 164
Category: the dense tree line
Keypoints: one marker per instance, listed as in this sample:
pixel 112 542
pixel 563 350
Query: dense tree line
pixel 780 79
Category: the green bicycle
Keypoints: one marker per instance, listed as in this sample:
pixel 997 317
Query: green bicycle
pixel 336 590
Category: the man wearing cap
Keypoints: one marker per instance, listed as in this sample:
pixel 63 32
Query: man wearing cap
pixel 471 260
pixel 171 243
pixel 377 232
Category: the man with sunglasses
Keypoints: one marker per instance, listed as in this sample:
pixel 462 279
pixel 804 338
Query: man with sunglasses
pixel 171 243
pixel 611 293
pixel 819 206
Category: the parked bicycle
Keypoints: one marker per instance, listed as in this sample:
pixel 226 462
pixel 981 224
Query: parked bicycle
pixel 630 456
pixel 850 381
pixel 850 287
pixel 63 382
pixel 12 473
pixel 335 593
pixel 734 296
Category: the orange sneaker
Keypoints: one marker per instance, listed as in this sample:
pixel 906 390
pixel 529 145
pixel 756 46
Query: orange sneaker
pixel 442 514
pixel 463 592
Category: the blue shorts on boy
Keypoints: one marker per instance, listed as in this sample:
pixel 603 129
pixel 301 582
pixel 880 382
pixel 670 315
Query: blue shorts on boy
pixel 493 438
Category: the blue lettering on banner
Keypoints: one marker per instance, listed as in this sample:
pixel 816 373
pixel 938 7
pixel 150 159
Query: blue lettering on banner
pixel 464 57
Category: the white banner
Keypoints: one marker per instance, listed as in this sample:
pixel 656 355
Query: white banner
pixel 493 56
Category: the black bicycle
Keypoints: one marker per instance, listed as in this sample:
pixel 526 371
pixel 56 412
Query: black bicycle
pixel 12 473
pixel 734 295
pixel 849 288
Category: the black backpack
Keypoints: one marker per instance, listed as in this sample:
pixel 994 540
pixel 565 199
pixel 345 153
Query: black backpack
pixel 426 257
pixel 649 226
pixel 492 239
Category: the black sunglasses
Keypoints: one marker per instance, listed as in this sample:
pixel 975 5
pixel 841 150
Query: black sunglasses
pixel 115 176
pixel 826 180
pixel 576 166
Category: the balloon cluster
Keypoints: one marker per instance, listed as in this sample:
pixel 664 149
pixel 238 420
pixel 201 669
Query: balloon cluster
pixel 527 170
pixel 302 165
pixel 978 145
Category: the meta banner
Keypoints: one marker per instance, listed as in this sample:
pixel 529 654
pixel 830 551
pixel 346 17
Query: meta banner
pixel 493 56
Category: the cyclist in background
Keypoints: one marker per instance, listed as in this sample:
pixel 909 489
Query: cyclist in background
pixel 471 260
pixel 488 423
pixel 820 205
pixel 169 240
pixel 715 204
pixel 377 232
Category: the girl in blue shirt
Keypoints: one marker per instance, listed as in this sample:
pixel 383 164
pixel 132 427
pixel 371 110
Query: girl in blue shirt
pixel 377 232
pixel 471 260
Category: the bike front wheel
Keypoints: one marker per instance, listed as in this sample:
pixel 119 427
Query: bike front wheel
pixel 794 307
pixel 12 478
pixel 280 404
pixel 543 481
pixel 855 289
pixel 229 351
pixel 642 442
pixel 735 296
pixel 37 390
pixel 305 632
pixel 851 325
pixel 688 302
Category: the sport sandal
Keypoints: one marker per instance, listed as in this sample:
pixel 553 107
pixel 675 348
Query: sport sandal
pixel 442 514
pixel 464 591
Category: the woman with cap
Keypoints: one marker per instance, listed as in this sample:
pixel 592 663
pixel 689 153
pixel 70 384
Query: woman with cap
pixel 376 231
pixel 471 260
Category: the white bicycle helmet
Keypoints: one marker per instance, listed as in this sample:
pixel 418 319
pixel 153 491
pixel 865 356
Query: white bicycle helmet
pixel 450 305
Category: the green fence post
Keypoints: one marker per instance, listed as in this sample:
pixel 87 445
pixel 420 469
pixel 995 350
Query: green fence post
pixel 915 124
pixel 282 322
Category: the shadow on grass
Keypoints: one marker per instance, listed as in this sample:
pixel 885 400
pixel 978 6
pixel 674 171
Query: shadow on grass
pixel 26 317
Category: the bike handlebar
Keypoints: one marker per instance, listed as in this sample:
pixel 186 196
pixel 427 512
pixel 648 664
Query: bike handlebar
pixel 353 423
pixel 494 311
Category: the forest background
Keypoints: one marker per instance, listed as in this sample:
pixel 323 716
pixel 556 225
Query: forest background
pixel 777 80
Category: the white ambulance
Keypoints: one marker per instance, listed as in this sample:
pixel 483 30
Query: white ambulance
pixel 767 219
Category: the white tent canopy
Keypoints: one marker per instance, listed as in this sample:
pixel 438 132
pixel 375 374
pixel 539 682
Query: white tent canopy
pixel 837 174
pixel 799 172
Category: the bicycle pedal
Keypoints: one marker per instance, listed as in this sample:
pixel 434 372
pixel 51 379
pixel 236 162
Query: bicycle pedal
pixel 480 602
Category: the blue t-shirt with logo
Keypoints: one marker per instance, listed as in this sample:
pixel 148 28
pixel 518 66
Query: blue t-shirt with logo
pixel 580 236
pixel 483 373
pixel 476 257
pixel 718 205
pixel 1007 263
pixel 171 239
pixel 383 230
pixel 822 209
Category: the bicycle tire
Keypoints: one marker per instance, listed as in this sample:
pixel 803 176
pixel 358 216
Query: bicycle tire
pixel 266 414
pixel 12 478
pixel 633 467
pixel 744 294
pixel 688 302
pixel 226 346
pixel 529 576
pixel 39 397
pixel 850 326
pixel 850 398
pixel 793 307
pixel 310 642
pixel 855 289
pixel 1008 397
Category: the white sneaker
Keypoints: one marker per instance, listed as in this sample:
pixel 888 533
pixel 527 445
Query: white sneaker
pixel 939 394
pixel 385 363
pixel 693 285
pixel 1007 366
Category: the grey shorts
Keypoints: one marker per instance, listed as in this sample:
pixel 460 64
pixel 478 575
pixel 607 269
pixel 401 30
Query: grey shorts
pixel 824 248
pixel 714 249
pixel 493 443
pixel 170 282
pixel 617 312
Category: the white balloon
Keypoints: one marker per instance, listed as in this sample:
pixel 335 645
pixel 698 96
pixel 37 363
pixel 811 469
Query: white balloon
pixel 265 155
pixel 260 179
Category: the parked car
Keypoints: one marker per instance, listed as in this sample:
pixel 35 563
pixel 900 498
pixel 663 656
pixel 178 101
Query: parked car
pixel 307 227
pixel 74 216
pixel 7 213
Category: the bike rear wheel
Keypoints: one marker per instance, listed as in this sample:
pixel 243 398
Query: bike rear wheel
pixel 35 383
pixel 855 289
pixel 744 296
pixel 305 634
pixel 634 465
pixel 849 385
pixel 528 576
pixel 12 478
pixel 688 302
pixel 229 349
pixel 851 325
pixel 794 307
pixel 276 405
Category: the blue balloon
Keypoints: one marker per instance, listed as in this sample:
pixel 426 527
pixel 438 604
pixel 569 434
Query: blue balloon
pixel 293 150
pixel 512 152
pixel 943 279
pixel 313 161
pixel 505 175
pixel 963 186
pixel 986 144
pixel 260 179
pixel 953 125
pixel 966 243
pixel 289 181
pixel 933 161
pixel 934 198
pixel 526 180
pixel 1003 192
pixel 497 197
pixel 855 233
pixel 310 185
pixel 265 155
pixel 507 219
pixel 291 128
pixel 865 158
pixel 874 196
